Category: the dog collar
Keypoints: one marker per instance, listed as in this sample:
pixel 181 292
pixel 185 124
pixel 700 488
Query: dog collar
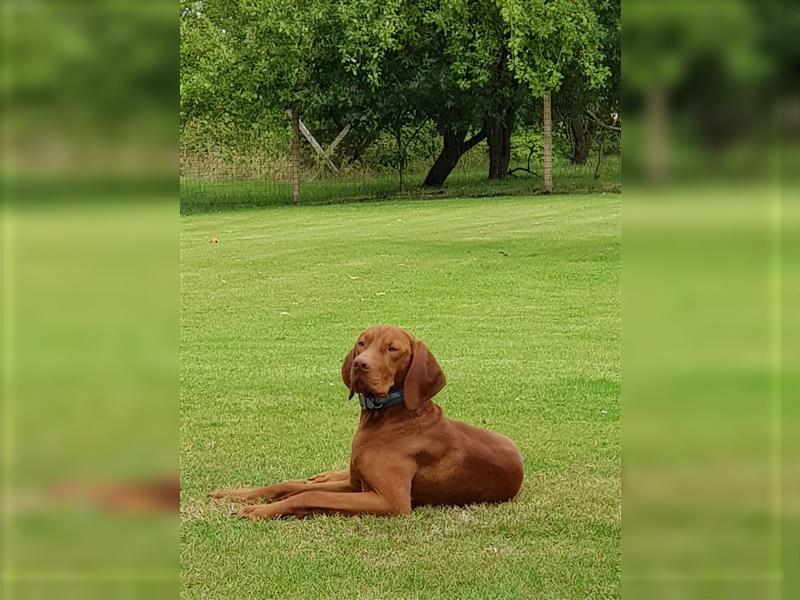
pixel 369 402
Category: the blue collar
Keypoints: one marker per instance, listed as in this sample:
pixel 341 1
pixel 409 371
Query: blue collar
pixel 369 402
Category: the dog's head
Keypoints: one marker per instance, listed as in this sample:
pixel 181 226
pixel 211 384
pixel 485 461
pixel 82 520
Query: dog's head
pixel 386 358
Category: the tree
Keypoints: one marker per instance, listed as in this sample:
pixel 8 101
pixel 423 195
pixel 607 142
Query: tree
pixel 548 37
pixel 496 56
pixel 581 108
pixel 714 71
pixel 466 66
pixel 483 94
pixel 251 57
pixel 256 57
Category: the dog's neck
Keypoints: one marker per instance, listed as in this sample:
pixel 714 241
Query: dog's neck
pixel 398 414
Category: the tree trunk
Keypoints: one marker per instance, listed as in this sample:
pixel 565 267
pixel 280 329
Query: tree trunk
pixel 581 139
pixel 401 157
pixel 547 135
pixel 295 155
pixel 498 136
pixel 452 149
pixel 447 159
pixel 657 134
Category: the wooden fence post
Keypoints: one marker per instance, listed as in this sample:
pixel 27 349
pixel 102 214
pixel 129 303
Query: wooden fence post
pixel 547 135
pixel 295 113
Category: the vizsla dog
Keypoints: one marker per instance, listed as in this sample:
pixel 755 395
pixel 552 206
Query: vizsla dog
pixel 405 453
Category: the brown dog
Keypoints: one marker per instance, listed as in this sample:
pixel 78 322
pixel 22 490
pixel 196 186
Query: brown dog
pixel 405 452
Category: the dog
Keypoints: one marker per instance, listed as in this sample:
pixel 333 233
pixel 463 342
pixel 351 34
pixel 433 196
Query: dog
pixel 406 453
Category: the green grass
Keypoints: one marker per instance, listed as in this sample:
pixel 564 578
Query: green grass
pixel 519 300
pixel 467 180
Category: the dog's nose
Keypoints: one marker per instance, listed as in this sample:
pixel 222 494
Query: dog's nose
pixel 362 364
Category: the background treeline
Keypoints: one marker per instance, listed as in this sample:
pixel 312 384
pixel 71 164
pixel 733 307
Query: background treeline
pixel 419 84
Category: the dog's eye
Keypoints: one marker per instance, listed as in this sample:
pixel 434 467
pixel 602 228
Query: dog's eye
pixel 392 349
pixel 361 343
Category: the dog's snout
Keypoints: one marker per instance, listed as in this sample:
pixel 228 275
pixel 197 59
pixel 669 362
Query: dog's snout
pixel 361 363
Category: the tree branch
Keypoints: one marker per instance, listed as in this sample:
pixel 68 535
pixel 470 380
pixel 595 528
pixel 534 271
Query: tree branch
pixel 474 140
pixel 534 173
pixel 600 123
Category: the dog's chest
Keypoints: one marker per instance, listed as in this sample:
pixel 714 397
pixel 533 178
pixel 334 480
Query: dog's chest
pixel 376 450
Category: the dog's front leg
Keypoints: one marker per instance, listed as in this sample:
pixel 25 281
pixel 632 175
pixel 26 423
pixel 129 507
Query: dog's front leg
pixel 332 503
pixel 277 491
pixel 330 476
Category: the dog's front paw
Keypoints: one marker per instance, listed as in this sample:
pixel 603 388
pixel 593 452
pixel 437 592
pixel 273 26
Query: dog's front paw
pixel 259 511
pixel 234 495
pixel 325 476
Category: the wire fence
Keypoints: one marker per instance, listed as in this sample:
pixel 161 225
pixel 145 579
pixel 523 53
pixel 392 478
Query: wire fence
pixel 259 173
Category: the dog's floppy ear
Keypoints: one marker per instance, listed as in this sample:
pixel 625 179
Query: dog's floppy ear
pixel 424 378
pixel 346 365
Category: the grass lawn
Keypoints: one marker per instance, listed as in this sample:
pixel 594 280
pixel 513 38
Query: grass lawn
pixel 519 300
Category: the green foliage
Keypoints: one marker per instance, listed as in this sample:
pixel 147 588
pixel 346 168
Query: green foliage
pixel 370 31
pixel 384 68
pixel 80 91
pixel 670 38
pixel 223 148
pixel 473 35
pixel 578 92
pixel 206 65
pixel 284 41
pixel 527 143
pixel 422 149
pixel 713 64
pixel 548 36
